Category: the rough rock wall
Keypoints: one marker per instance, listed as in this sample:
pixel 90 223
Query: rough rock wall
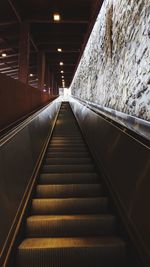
pixel 114 70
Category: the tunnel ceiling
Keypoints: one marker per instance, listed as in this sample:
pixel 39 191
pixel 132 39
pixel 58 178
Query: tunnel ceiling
pixel 70 34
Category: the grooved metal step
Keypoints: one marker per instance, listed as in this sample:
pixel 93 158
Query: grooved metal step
pixel 67 149
pixel 67 142
pixel 67 138
pixel 74 252
pixel 69 190
pixel 64 133
pixel 68 178
pixel 68 168
pixel 67 145
pixel 63 206
pixel 67 154
pixel 64 161
pixel 79 225
pixel 72 136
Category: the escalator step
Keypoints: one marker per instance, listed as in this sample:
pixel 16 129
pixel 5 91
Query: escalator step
pixel 82 145
pixel 67 142
pixel 74 252
pixel 68 168
pixel 71 136
pixel 68 178
pixel 66 131
pixel 59 138
pixel 61 206
pixel 62 161
pixel 79 225
pixel 67 149
pixel 67 154
pixel 61 130
pixel 67 138
pixel 69 190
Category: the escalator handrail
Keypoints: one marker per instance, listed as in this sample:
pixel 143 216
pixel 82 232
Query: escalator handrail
pixel 13 132
pixel 4 131
pixel 121 121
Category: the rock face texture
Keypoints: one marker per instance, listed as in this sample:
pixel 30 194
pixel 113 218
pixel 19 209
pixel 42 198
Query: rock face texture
pixel 114 70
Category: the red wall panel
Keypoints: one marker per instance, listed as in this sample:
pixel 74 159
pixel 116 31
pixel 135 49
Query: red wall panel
pixel 18 99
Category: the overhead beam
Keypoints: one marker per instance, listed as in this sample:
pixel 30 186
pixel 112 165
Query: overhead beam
pixel 24 50
pixel 7 23
pixel 54 29
pixel 65 77
pixel 8 56
pixel 14 55
pixel 12 62
pixel 55 59
pixel 17 14
pixel 50 35
pixel 33 43
pixel 41 70
pixel 61 39
pixel 65 72
pixel 15 10
pixel 6 47
pixel 6 68
pixel 65 64
pixel 13 69
pixel 61 42
pixel 63 51
pixel 12 76
pixel 3 61
pixel 10 71
pixel 33 80
pixel 46 21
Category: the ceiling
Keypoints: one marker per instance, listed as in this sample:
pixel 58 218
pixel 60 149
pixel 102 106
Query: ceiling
pixel 70 34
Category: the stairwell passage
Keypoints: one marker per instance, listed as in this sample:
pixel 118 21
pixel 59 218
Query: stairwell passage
pixel 71 222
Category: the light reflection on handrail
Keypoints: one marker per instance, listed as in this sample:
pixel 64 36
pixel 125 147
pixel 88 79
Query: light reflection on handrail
pixel 135 124
pixel 22 125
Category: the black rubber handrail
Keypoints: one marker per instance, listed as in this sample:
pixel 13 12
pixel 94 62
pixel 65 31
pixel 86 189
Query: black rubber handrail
pixel 16 129
pixel 124 125
pixel 15 123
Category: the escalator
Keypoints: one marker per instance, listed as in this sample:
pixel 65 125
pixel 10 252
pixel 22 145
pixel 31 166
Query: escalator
pixel 71 220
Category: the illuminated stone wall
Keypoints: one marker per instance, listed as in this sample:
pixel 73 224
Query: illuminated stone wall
pixel 114 70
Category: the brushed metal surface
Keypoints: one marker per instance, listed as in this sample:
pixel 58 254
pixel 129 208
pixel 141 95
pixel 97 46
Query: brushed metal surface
pixel 126 163
pixel 137 125
pixel 18 156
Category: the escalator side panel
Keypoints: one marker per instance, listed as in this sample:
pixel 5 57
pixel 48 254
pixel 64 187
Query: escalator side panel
pixel 18 156
pixel 126 165
pixel 71 222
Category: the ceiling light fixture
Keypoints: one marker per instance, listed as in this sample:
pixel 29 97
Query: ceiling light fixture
pixel 62 71
pixel 4 54
pixel 59 49
pixel 62 76
pixel 56 17
pixel 31 74
pixel 61 63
